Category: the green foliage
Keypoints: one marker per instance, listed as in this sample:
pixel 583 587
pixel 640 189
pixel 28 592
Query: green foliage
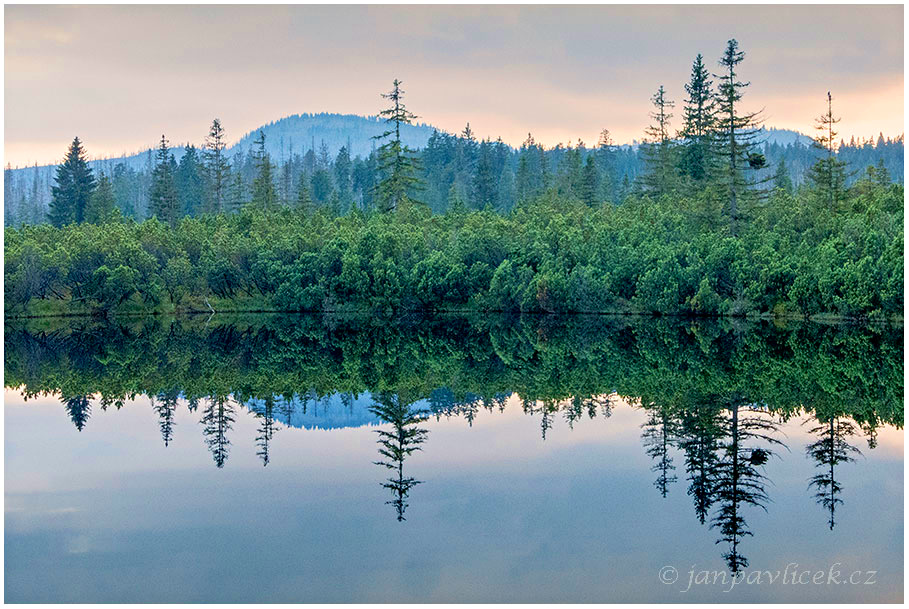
pixel 74 186
pixel 552 254
pixel 833 371
pixel 397 163
pixel 101 205
pixel 164 201
pixel 699 123
pixel 264 196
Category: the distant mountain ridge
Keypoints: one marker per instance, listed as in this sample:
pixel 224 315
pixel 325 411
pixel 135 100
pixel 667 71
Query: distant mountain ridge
pixel 28 191
pixel 299 133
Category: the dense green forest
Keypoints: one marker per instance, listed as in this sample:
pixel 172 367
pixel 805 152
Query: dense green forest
pixel 560 361
pixel 709 226
pixel 714 393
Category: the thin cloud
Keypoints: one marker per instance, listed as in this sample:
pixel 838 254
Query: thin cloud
pixel 120 75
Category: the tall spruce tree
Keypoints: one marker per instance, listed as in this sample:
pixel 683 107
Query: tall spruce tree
pixel 100 208
pixel 164 201
pixel 828 174
pixel 396 445
pixel 737 481
pixel 74 186
pixel 590 184
pixel 342 171
pixel 217 170
pixel 659 149
pixel 485 178
pixel 190 183
pixel 698 124
pixel 263 195
pixel 397 163
pixel 9 214
pixel 737 134
pixel 606 157
pixel 529 178
pixel 304 196
pixel 831 449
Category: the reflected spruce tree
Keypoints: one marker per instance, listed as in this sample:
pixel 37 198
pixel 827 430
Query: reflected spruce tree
pixel 444 402
pixel 496 402
pixel 217 420
pixel 165 405
pixel 546 408
pixel 287 408
pixel 396 445
pixel 657 437
pixel 870 431
pixel 79 409
pixel 108 400
pixel 699 430
pixel 831 449
pixel 265 413
pixel 579 405
pixel 736 478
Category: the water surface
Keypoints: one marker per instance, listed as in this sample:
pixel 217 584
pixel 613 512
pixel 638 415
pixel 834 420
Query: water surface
pixel 294 458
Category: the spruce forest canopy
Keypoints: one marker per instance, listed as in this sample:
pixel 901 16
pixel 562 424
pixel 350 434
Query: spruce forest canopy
pixel 706 217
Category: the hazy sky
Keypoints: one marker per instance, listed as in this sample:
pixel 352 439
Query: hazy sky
pixel 119 76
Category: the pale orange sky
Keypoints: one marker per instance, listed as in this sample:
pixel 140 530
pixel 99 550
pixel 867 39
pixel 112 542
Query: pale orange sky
pixel 119 76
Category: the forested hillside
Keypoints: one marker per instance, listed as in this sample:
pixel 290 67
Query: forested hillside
pixel 701 220
pixel 334 154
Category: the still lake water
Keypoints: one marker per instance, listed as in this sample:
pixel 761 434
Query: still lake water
pixel 310 459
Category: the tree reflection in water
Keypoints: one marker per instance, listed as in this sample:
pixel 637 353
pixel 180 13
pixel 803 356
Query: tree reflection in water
pixel 711 392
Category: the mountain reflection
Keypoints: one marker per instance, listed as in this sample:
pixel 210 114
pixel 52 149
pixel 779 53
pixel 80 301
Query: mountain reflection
pixel 712 394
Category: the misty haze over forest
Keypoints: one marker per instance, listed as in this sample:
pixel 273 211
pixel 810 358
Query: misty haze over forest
pixel 302 143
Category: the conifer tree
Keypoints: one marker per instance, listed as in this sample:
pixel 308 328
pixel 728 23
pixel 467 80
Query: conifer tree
pixel 737 132
pixel 590 182
pixel 79 409
pixel 659 150
pixel 484 180
pixel 658 438
pixel 217 170
pixel 74 186
pixel 304 197
pixel 881 175
pixel 737 482
pixel 342 170
pixel 100 208
pixel 831 449
pixel 8 211
pixel 266 430
pixel 217 421
pixel 237 195
pixel 190 183
pixel 782 179
pixel 828 174
pixel 163 202
pixel 396 445
pixel 605 157
pixel 529 178
pixel 397 163
pixel 571 171
pixel 698 124
pixel 263 195
pixel 165 405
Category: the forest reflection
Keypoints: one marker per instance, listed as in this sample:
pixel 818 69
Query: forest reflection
pixel 713 394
